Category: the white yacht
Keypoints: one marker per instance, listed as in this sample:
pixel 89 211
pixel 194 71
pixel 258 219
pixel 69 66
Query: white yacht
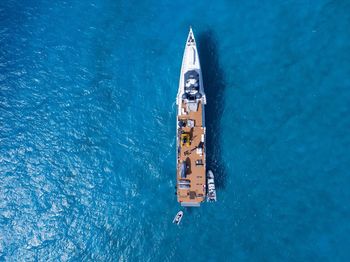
pixel 191 148
pixel 211 194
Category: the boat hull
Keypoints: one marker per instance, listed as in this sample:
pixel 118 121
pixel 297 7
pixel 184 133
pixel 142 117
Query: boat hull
pixel 191 131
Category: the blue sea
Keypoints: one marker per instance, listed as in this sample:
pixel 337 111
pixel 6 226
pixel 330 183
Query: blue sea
pixel 87 130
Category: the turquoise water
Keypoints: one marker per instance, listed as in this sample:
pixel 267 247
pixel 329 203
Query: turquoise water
pixel 87 130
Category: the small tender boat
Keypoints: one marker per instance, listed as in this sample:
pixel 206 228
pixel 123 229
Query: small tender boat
pixel 211 193
pixel 178 217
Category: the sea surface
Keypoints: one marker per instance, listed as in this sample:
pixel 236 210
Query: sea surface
pixel 87 130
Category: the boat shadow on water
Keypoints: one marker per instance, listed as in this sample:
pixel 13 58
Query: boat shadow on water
pixel 214 86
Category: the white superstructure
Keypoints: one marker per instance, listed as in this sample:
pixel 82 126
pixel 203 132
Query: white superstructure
pixel 191 74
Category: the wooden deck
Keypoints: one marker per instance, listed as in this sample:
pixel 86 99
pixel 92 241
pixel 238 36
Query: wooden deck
pixel 195 173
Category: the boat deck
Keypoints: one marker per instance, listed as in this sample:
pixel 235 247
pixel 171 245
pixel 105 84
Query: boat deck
pixel 189 153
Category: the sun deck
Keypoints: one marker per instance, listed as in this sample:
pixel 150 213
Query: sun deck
pixel 191 186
